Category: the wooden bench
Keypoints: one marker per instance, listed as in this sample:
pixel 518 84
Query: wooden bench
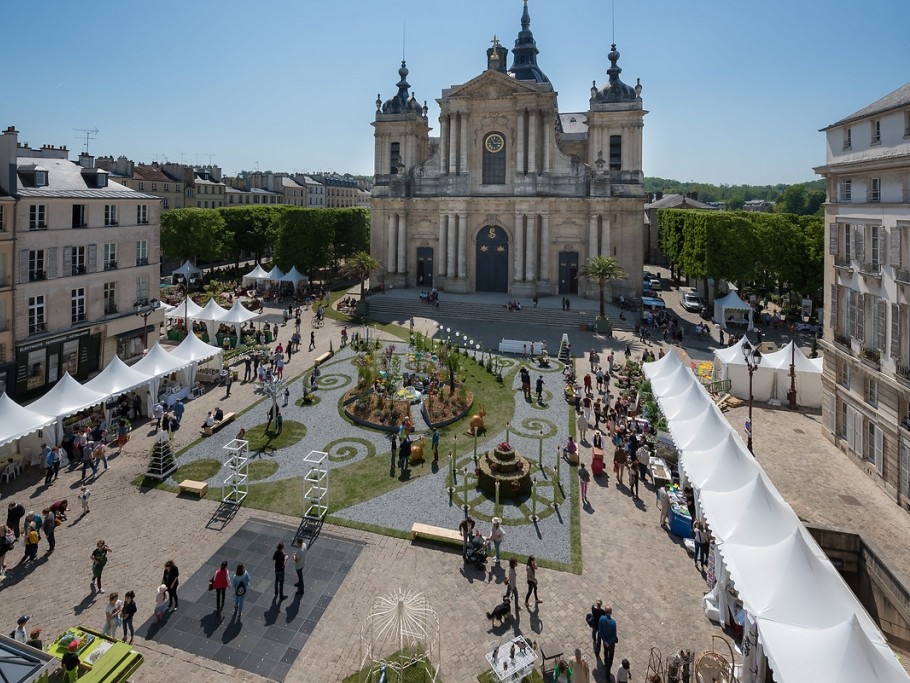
pixel 228 418
pixel 436 533
pixel 324 358
pixel 517 346
pixel 200 488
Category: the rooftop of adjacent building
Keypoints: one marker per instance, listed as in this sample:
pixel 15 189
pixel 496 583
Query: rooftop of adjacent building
pixel 893 100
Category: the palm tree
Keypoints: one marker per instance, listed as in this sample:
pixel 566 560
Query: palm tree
pixel 361 265
pixel 603 269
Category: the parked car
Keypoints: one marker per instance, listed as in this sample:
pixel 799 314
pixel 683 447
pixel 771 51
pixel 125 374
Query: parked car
pixel 692 302
pixel 656 285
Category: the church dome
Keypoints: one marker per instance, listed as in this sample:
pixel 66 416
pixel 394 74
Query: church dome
pixel 524 54
pixel 402 102
pixel 615 90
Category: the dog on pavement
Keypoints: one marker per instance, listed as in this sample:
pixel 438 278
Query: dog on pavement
pixel 500 612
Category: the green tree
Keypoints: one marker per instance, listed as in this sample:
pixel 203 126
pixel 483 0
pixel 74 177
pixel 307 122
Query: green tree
pixel 305 238
pixel 352 232
pixel 361 265
pixel 250 229
pixel 193 234
pixel 602 269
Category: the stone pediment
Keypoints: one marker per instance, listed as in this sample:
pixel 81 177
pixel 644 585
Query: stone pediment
pixel 490 85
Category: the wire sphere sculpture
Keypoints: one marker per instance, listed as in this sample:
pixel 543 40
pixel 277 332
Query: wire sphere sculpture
pixel 401 634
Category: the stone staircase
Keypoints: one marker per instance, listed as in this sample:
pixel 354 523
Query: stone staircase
pixel 396 308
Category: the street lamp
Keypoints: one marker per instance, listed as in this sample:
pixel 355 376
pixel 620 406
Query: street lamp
pixel 753 360
pixel 791 394
pixel 144 309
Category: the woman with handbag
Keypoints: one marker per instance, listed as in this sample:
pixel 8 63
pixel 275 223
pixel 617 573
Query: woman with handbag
pixel 219 583
pixel 241 583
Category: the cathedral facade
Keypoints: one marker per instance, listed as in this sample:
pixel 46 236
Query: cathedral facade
pixel 513 196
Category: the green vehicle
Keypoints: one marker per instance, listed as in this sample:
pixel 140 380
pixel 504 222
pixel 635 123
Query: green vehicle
pixel 102 659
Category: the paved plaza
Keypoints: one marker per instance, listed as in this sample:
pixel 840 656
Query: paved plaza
pixel 627 559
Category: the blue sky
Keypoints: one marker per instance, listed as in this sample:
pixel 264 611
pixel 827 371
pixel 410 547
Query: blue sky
pixel 736 90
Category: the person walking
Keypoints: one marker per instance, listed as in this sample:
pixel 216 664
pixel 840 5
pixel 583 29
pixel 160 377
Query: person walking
pixel 228 381
pixel 241 583
pixel 512 583
pixel 663 498
pixel 247 369
pixel 299 558
pixel 312 340
pixel 280 559
pixel 127 614
pixel 31 544
pixel 279 422
pixel 220 582
pixel 112 618
pixel 606 630
pixel 584 478
pixel 157 414
pixel 99 561
pixel 539 387
pixel 497 535
pixel 593 619
pixel 435 444
pixel 581 670
pixel 160 604
pixel 14 514
pixel 48 455
pixel 50 526
pixel 171 578
pixel 531 572
pixel 84 495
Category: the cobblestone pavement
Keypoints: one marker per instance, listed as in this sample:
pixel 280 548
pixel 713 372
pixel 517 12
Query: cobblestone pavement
pixel 628 560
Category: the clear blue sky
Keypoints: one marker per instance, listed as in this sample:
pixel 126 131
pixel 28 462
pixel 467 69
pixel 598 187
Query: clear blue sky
pixel 736 90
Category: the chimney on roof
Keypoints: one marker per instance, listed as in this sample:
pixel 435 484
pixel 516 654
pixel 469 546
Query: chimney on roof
pixel 9 144
pixel 86 160
pixel 660 195
pixel 692 195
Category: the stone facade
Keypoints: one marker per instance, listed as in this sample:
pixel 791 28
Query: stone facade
pixel 512 196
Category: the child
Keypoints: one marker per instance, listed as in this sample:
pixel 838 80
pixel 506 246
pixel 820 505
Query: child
pixel 624 675
pixel 84 493
pixel 161 602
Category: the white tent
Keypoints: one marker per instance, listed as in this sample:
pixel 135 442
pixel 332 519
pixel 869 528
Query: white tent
pixel 705 429
pixel 258 273
pixel 117 378
pixel 185 309
pixel 730 305
pixel 729 363
pixel 66 398
pixel 195 351
pixel 237 315
pixel 808 373
pixel 156 364
pixel 187 270
pixel 211 314
pixel 727 355
pixel 16 421
pixel 294 275
pixel 276 273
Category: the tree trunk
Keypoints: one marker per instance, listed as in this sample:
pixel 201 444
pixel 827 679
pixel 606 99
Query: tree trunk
pixel 602 287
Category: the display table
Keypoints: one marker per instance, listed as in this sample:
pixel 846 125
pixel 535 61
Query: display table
pixel 108 659
pixel 680 521
pixel 660 472
pixel 509 669
pixel 171 396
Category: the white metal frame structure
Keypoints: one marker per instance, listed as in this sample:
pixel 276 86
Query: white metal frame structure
pixel 316 485
pixel 237 484
pixel 402 622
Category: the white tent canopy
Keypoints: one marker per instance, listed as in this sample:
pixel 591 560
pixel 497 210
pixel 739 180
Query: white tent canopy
pixel 16 421
pixel 811 627
pixel 185 309
pixel 731 303
pixel 211 314
pixel 187 270
pixel 276 273
pixel 157 363
pixel 258 273
pixel 238 315
pixel 117 378
pixel 66 398
pixel 808 374
pixel 195 351
pixel 293 275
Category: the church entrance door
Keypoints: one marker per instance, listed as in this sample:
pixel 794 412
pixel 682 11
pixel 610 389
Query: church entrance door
pixel 425 267
pixel 568 272
pixel 492 260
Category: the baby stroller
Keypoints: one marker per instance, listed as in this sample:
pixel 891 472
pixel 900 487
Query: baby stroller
pixel 476 551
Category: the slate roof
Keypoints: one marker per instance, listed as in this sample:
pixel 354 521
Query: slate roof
pixel 893 100
pixel 579 125
pixel 142 172
pixel 671 201
pixel 65 179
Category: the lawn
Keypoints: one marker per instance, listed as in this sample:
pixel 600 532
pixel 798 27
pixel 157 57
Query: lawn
pixel 262 440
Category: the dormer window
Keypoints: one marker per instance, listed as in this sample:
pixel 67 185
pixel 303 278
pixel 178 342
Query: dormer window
pixel 101 180
pixel 40 178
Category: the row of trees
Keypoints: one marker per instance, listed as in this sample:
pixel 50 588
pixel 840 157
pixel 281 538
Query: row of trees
pixel 310 239
pixel 766 249
pixel 805 199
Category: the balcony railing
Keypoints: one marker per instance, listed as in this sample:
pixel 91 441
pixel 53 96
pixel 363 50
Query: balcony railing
pixel 79 270
pixel 870 356
pixel 34 328
pixel 902 371
pixel 35 275
pixel 841 262
pixel 79 224
pixel 110 308
pixel 37 226
pixel 902 275
pixel 844 342
pixel 110 265
pixel 869 268
pixel 111 223
pixel 143 261
pixel 78 318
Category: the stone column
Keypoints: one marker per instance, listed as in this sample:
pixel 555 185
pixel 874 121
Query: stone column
pixel 443 239
pixel 462 245
pixel 606 245
pixel 463 153
pixel 443 144
pixel 519 246
pixel 520 145
pixel 545 248
pixel 593 248
pixel 391 265
pixel 453 143
pixel 531 259
pixel 546 129
pixel 532 142
pixel 402 246
pixel 452 250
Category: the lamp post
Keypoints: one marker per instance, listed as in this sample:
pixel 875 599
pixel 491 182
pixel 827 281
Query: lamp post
pixel 144 310
pixel 753 360
pixel 791 394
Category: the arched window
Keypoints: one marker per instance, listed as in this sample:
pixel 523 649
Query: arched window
pixel 395 158
pixel 494 159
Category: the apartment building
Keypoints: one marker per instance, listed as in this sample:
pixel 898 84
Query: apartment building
pixel 867 290
pixel 86 259
pixel 148 178
pixel 7 258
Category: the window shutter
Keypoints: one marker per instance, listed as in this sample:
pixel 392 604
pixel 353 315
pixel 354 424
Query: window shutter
pixel 832 316
pixel 92 258
pixel 833 238
pixel 895 333
pixel 23 265
pixel 52 263
pixel 905 468
pixel 67 261
pixel 882 314
pixel 895 258
pixel 861 317
pixel 882 245
pixel 828 404
pixel 878 449
pixel 859 239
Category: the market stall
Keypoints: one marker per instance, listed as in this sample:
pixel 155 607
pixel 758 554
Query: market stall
pixel 275 274
pixel 731 310
pixel 808 372
pixel 193 351
pixel 256 275
pixel 187 271
pixel 237 316
pixel 116 379
pixel 102 659
pixel 16 421
pixel 67 398
pixel 158 363
pixel 211 314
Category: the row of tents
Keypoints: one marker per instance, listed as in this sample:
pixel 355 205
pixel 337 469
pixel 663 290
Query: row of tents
pixel 800 617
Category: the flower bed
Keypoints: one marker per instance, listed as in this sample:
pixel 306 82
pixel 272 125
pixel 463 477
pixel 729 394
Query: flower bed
pixel 505 465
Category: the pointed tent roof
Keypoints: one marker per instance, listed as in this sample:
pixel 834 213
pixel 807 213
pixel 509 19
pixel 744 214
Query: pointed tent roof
pixel 212 311
pixel 275 273
pixel 662 366
pixel 258 273
pixel 781 360
pixel 726 466
pixel 158 362
pixel 238 314
pixel 117 378
pixel 67 397
pixel 732 301
pixel 193 350
pixel 705 429
pixel 753 514
pixel 687 404
pixel 733 355
pixel 186 308
pixel 16 421
pixel 186 269
pixel 293 275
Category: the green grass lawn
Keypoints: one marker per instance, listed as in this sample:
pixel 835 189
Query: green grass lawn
pixel 262 469
pixel 200 470
pixel 412 674
pixel 262 440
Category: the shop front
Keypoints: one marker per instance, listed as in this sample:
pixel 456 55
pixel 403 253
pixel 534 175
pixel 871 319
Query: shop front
pixel 41 363
pixel 131 345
